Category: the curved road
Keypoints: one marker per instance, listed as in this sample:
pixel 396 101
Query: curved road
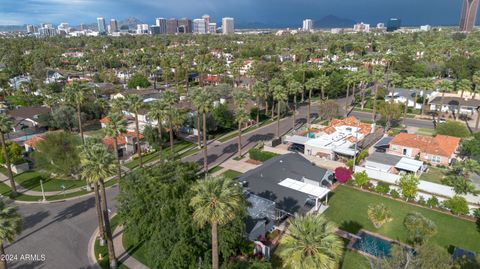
pixel 61 231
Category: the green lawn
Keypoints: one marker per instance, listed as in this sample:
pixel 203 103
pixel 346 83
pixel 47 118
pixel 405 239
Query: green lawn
pixel 231 174
pixel 137 250
pixel 31 180
pixel 215 169
pixel 104 250
pixel 425 131
pixel 348 208
pixel 434 174
pixel 146 158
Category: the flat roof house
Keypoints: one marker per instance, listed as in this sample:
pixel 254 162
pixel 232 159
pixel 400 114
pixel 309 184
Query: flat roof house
pixel 281 187
pixel 438 150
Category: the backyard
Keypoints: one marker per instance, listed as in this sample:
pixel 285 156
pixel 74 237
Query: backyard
pixel 348 208
pixel 434 174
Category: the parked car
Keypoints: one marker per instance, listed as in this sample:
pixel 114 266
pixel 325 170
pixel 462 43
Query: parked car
pixel 297 148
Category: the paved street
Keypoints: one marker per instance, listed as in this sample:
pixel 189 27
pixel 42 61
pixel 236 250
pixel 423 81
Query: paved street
pixel 59 230
pixel 409 122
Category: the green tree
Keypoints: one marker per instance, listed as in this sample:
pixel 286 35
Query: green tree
pixel 76 96
pixel 409 186
pixel 58 154
pixel 204 104
pixel 361 179
pixel 63 118
pixel 14 153
pixel 5 128
pixel 463 85
pixel 445 86
pixel 216 201
pixel 294 88
pixel 116 125
pixel 10 226
pixel 258 91
pixel 390 112
pixel 159 112
pixel 457 205
pixel 134 104
pixel 241 115
pixel 379 215
pixel 280 95
pixel 310 242
pixel 419 228
pixel 138 80
pixel 452 128
pixel 97 165
pixel 223 117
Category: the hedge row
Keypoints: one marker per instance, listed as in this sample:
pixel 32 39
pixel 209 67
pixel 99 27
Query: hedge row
pixel 259 155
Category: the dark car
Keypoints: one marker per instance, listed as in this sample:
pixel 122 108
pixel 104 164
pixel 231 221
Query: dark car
pixel 297 148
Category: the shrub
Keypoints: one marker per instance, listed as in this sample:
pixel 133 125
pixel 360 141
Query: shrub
pixel 409 186
pixel 476 213
pixel 138 80
pixel 419 228
pixel 361 178
pixel 379 215
pixel 433 202
pixel 349 163
pixel 457 205
pixel 421 201
pixel 259 155
pixel 382 188
pixel 362 155
pixel 394 193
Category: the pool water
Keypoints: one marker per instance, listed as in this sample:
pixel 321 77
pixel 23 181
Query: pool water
pixel 373 245
pixel 310 135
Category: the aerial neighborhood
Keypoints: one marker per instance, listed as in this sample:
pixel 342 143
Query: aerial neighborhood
pixel 187 145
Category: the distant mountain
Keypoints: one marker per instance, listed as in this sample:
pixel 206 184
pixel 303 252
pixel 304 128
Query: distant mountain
pixel 332 21
pixel 13 28
pixel 131 22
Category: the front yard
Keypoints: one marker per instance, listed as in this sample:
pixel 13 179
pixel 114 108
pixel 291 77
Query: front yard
pixel 348 209
pixel 434 174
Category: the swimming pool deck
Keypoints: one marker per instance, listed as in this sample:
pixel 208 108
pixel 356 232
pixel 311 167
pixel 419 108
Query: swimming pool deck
pixel 356 237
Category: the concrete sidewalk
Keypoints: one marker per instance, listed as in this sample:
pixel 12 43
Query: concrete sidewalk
pixel 122 254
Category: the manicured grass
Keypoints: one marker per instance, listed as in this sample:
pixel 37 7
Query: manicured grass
pixel 135 249
pixel 189 152
pixel 151 156
pixel 99 133
pixel 215 169
pixel 354 260
pixel 348 209
pixel 425 131
pixel 31 180
pixel 434 174
pixel 103 250
pixel 231 174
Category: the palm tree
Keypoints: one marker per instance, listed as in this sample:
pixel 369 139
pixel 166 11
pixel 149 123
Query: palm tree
pixel 134 103
pixel 116 125
pixel 464 85
pixel 394 80
pixel 258 91
pixel 5 128
pixel 216 201
pixel 241 115
pixel 412 83
pixel 193 97
pixel 170 98
pixel 204 103
pixel 97 165
pixel 271 85
pixel 158 111
pixel 177 118
pixel 323 81
pixel 377 77
pixel 294 88
pixel 76 96
pixel 10 226
pixel 310 242
pixel 476 82
pixel 311 84
pixel 379 215
pixel 279 95
pixel 445 86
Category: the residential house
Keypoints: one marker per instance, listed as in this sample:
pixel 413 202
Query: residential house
pixel 438 150
pixel 283 186
pixel 402 96
pixel 247 65
pixel 27 117
pixel 338 139
pixel 53 76
pixel 393 164
pixel 127 143
pixel 455 104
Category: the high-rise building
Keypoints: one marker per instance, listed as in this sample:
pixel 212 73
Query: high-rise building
pixel 469 15
pixel 206 18
pixel 30 29
pixel 393 24
pixel 172 25
pixel 184 26
pixel 199 26
pixel 162 24
pixel 228 26
pixel 102 28
pixel 47 30
pixel 113 26
pixel 82 27
pixel 361 27
pixel 142 29
pixel 212 27
pixel 154 30
pixel 307 25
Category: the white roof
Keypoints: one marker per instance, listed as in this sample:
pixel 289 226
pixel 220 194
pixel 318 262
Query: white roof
pixel 300 186
pixel 409 164
pixel 297 139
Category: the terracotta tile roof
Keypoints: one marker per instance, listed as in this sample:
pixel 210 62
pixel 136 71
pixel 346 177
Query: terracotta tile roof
pixel 121 139
pixel 352 121
pixel 351 139
pixel 104 120
pixel 32 142
pixel 441 145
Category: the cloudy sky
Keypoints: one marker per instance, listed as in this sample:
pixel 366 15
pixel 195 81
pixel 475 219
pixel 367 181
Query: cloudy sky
pixel 273 12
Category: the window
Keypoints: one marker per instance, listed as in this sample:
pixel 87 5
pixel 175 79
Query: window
pixel 435 159
pixel 425 157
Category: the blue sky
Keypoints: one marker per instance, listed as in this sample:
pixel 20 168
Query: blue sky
pixel 277 12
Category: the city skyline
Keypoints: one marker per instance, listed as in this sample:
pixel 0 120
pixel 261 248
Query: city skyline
pixel 441 12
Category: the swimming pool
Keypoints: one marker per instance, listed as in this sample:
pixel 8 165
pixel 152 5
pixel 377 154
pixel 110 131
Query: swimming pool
pixel 372 245
pixel 310 135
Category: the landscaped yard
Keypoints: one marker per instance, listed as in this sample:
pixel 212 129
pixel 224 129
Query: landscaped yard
pixel 425 131
pixel 146 158
pixel 31 180
pixel 231 174
pixel 348 208
pixel 434 174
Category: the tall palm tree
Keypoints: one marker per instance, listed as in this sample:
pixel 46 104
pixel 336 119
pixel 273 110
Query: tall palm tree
pixel 241 115
pixel 464 85
pixel 216 201
pixel 177 118
pixel 170 99
pixel 394 80
pixel 134 103
pixel 412 83
pixel 311 84
pixel 377 79
pixel 426 84
pixel 445 86
pixel 204 104
pixel 310 242
pixel 279 95
pixel 476 82
pixel 97 165
pixel 76 95
pixel 324 81
pixel 294 88
pixel 10 226
pixel 158 111
pixel 5 128
pixel 350 81
pixel 193 97
pixel 272 84
pixel 258 91
pixel 116 125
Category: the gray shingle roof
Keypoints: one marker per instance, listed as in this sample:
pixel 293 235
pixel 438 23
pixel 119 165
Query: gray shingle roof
pixel 384 158
pixel 263 181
